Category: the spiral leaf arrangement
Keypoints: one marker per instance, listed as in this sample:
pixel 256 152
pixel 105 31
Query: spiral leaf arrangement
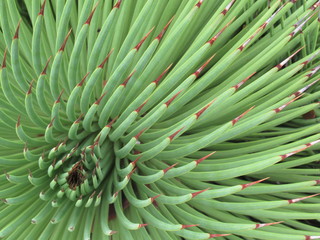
pixel 154 119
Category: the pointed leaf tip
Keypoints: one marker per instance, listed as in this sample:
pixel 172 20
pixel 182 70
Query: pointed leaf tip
pixel 100 98
pixel 198 5
pixel 16 34
pixel 88 21
pixel 187 226
pixel 197 73
pixel 199 192
pixel 286 104
pixel 311 237
pixel 128 78
pixel 227 8
pixel 253 183
pixel 259 225
pixel 203 158
pixel 170 167
pixel 162 74
pixel 215 37
pixel 218 235
pixel 44 71
pixel 136 160
pixel 280 65
pixel 143 225
pixel 30 87
pixel 172 136
pixel 237 86
pixel 112 122
pixel 83 79
pixel 118 4
pixel 152 199
pixel 137 47
pixel 234 121
pixel 171 99
pixel 139 133
pixel 159 37
pixel 41 12
pixel 140 107
pixel 4 61
pixel 106 59
pixel 63 45
pixel 290 201
pixel 201 111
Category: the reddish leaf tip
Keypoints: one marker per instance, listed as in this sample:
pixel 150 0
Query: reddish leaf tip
pixel 142 225
pixel 41 12
pixel 63 45
pixel 4 61
pixel 171 99
pixel 83 79
pixel 197 73
pixel 30 87
pixel 136 160
pixel 139 133
pixel 259 225
pixel 215 37
pixel 237 86
pixel 112 122
pixel 187 226
pixel 88 21
pixel 159 37
pixel 128 78
pixel 234 121
pixel 44 71
pixel 137 47
pixel 253 183
pixel 106 59
pixel 162 74
pixel 140 107
pixel 201 111
pixel 152 199
pixel 203 158
pixel 198 5
pixel 59 97
pixel 199 192
pixel 16 34
pixel 218 235
pixel 280 65
pixel 168 168
pixel 100 98
pixel 290 201
pixel 117 5
pixel 286 104
pixel 227 8
pixel 172 136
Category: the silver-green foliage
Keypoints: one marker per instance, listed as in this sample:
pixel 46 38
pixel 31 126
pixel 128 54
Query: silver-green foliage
pixel 153 119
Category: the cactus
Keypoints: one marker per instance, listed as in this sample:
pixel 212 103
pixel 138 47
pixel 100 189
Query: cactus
pixel 159 119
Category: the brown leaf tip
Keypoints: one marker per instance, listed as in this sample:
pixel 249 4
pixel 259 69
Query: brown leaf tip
pixel 16 34
pixel 118 4
pixel 137 47
pixel 4 62
pixel 171 99
pixel 41 12
pixel 159 37
pixel 88 21
pixel 162 74
pixel 106 59
pixel 63 45
pixel 44 71
pixel 172 136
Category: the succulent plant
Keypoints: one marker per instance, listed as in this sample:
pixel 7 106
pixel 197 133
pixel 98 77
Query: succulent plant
pixel 155 119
